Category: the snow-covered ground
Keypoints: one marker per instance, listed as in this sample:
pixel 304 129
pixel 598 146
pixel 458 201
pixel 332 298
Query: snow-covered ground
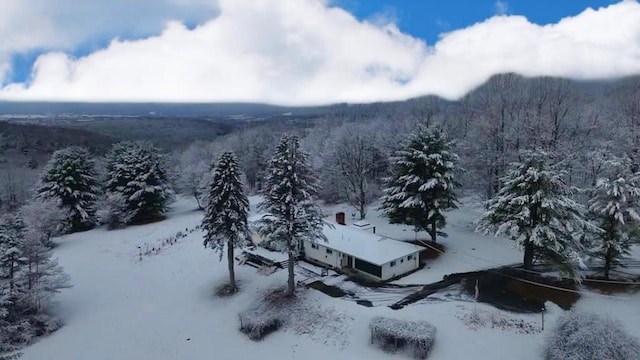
pixel 163 307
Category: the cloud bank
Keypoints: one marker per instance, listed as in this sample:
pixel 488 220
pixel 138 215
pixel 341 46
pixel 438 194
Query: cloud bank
pixel 302 52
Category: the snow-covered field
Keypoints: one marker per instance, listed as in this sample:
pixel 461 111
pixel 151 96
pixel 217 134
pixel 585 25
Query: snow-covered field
pixel 163 306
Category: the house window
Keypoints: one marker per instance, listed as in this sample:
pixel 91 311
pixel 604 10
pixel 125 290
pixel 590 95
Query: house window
pixel 401 261
pixel 410 257
pixel 314 246
pixel 329 251
pixel 392 264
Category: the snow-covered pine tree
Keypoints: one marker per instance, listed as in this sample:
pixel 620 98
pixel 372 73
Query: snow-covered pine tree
pixel 225 218
pixel 534 208
pixel 289 192
pixel 136 171
pixel 615 202
pixel 422 184
pixel 70 179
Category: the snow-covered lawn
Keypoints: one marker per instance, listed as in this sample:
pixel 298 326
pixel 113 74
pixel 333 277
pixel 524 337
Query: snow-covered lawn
pixel 163 307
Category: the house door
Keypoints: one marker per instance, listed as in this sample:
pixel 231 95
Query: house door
pixel 349 262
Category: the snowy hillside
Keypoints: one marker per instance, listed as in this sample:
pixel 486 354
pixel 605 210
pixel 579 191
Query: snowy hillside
pixel 163 306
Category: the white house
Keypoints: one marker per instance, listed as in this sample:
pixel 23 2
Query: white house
pixel 372 255
pixel 349 248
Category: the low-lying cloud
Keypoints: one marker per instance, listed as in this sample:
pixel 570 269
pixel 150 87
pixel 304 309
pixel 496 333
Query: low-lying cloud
pixel 307 52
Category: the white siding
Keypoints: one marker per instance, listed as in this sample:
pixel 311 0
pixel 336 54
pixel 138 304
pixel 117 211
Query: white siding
pixel 401 267
pixel 320 254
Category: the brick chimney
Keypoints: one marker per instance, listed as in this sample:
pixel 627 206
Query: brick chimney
pixel 340 218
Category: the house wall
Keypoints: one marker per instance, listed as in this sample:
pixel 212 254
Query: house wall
pixel 402 266
pixel 320 254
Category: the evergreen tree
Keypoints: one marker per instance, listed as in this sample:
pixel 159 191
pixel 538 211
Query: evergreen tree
pixel 70 179
pixel 290 202
pixel 136 171
pixel 225 219
pixel 422 183
pixel 614 203
pixel 533 207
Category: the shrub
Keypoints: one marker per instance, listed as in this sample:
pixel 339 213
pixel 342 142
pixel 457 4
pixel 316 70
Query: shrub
pixel 257 323
pixel 587 336
pixel 392 335
pixel 114 212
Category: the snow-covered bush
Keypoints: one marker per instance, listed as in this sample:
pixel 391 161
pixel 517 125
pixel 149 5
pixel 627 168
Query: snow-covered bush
pixel 257 323
pixel 44 219
pixel 393 335
pixel 274 310
pixel 587 336
pixel 29 277
pixel 114 211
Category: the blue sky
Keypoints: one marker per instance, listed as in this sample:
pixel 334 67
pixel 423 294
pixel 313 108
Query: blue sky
pixel 303 51
pixel 427 19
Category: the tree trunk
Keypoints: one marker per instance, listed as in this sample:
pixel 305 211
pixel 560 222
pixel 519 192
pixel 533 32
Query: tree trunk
pixel 11 277
pixel 528 255
pixel 291 282
pixel 363 202
pixel 198 201
pixel 232 275
pixel 608 259
pixel 433 232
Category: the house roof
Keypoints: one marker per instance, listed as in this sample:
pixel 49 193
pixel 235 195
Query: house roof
pixel 366 246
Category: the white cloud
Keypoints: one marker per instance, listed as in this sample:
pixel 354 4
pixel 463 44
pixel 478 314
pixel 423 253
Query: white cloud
pixel 31 25
pixel 304 52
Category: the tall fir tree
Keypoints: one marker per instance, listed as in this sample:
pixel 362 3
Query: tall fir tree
pixel 422 185
pixel 615 204
pixel 225 219
pixel 534 208
pixel 70 179
pixel 136 171
pixel 290 190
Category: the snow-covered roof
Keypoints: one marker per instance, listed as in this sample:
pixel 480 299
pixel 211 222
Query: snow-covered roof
pixel 361 223
pixel 366 246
